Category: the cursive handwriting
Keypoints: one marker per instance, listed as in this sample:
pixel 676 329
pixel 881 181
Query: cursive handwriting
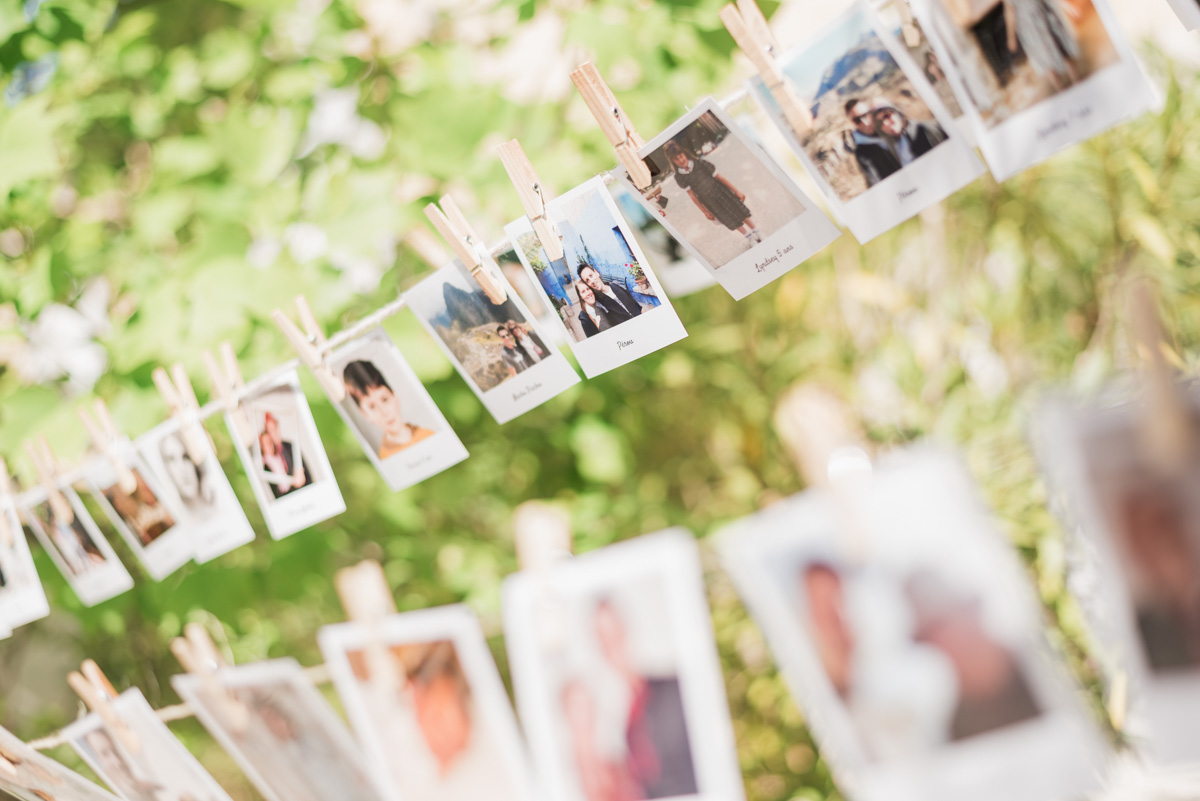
pixel 761 266
pixel 520 393
pixel 623 343
pixel 905 194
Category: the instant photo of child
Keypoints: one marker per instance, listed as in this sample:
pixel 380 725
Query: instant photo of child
pixel 37 778
pixel 22 598
pixel 608 300
pixel 161 769
pixel 398 425
pixel 209 510
pixel 882 146
pixel 281 731
pixel 80 552
pixel 438 725
pixel 616 676
pixel 1141 516
pixel 912 641
pixel 498 349
pixel 286 462
pixel 1035 76
pixel 719 194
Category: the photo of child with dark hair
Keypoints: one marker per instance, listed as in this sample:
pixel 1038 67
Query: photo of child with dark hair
pixel 374 397
pixel 718 200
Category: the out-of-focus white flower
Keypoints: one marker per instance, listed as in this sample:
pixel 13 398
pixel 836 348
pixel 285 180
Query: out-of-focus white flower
pixel 360 273
pixel 397 24
pixel 534 66
pixel 880 400
pixel 61 342
pixel 334 120
pixel 305 242
pixel 263 251
pixel 1001 269
pixel 984 366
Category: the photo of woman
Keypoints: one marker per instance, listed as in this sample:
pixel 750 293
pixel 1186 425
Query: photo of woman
pixel 72 542
pixel 79 551
pixel 191 481
pixel 141 511
pixel 283 467
pixel 373 396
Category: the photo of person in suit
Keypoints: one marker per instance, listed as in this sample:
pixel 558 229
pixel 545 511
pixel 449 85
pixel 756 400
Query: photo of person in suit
pixel 141 511
pixel 282 471
pixel 379 404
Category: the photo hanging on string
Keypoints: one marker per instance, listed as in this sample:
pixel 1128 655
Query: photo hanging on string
pixel 605 294
pixel 208 507
pixel 1035 76
pixel 437 725
pixel 891 25
pixel 286 462
pixel 22 597
pixel 677 269
pixel 500 350
pixel 80 551
pixel 881 147
pixel 913 642
pixel 722 196
pixel 400 428
pixel 617 678
pixel 35 777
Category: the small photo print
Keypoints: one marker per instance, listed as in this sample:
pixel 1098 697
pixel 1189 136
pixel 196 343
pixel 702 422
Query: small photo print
pixel 677 269
pixel 616 676
pixel 922 54
pixel 499 349
pixel 281 731
pixel 286 462
pixel 913 642
pixel 208 507
pixel 80 552
pixel 37 778
pixel 400 428
pixel 1188 12
pixel 22 598
pixel 161 769
pixel 718 192
pixel 607 298
pixel 437 726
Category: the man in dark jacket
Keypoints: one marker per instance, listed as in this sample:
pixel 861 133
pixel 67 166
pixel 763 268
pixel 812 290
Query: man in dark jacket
pixel 874 155
pixel 616 301
pixel 911 140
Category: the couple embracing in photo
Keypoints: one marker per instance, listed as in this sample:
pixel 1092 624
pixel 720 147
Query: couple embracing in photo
pixel 884 139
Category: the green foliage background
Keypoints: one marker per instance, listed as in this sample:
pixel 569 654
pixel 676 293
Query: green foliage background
pixel 168 140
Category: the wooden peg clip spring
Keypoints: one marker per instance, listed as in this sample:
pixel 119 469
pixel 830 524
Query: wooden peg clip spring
pixel 613 122
pixel 1168 425
pixel 198 654
pixel 94 688
pixel 454 228
pixel 367 599
pixel 748 27
pixel 310 346
pixel 46 467
pixel 227 383
pixel 533 196
pixel 177 393
pixel 108 441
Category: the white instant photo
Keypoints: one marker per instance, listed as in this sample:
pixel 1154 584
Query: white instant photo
pixel 500 350
pixel 882 147
pixel 22 598
pixel 280 730
pixel 400 428
pixel 1188 12
pixel 722 196
pixel 80 552
pixel 435 722
pixel 912 39
pixel 160 767
pixel 606 297
pixel 1035 76
pixel 1140 517
pixel 617 677
pixel 146 519
pixel 286 462
pixel 208 507
pixel 911 638
pixel 35 777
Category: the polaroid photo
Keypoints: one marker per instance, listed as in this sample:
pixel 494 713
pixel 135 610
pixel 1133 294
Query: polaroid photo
pixel 921 53
pixel 281 731
pixel 400 428
pixel 677 269
pixel 911 638
pixel 22 597
pixel 500 350
pixel 1035 76
pixel 606 296
pixel 286 462
pixel 208 507
pixel 145 518
pixel 617 677
pixel 80 551
pixel 161 768
pixel 1188 12
pixel 436 724
pixel 35 777
pixel 513 268
pixel 1141 524
pixel 723 197
pixel 882 147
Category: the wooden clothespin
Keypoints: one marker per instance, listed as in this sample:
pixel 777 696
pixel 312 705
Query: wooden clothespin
pixel 198 654
pixel 367 599
pixel 8 537
pixel 748 27
pixel 542 533
pixel 908 24
pixel 97 692
pixel 1168 426
pixel 454 228
pixel 310 346
pixel 426 246
pixel 46 467
pixel 227 382
pixel 177 393
pixel 533 195
pixel 612 120
pixel 107 440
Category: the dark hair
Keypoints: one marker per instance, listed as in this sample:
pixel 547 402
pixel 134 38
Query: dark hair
pixel 361 377
pixel 584 265
pixel 851 103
